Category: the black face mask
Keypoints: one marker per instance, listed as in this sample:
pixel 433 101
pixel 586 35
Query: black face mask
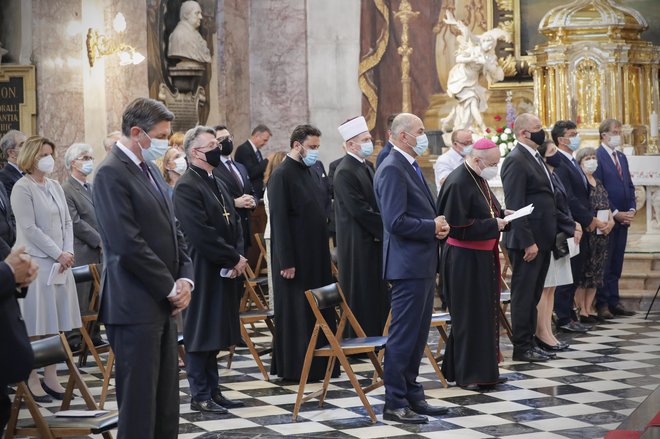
pixel 226 146
pixel 553 160
pixel 538 137
pixel 213 157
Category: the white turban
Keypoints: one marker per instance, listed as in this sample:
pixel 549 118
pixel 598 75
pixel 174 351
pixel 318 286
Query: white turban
pixel 353 127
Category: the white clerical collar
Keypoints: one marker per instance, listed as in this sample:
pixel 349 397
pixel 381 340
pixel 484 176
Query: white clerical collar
pixel 355 156
pixel 129 153
pixel 566 154
pixel 253 146
pixel 408 157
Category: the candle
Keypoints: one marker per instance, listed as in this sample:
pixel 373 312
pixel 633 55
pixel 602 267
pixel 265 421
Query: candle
pixel 654 124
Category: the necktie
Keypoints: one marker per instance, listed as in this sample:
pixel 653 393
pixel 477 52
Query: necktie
pixel 236 177
pixel 145 171
pixel 616 163
pixel 259 157
pixel 2 205
pixel 584 179
pixel 86 186
pixel 545 170
pixel 418 170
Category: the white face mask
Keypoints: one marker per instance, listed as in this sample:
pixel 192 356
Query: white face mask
pixel 615 141
pixel 489 172
pixel 590 166
pixel 180 165
pixel 46 164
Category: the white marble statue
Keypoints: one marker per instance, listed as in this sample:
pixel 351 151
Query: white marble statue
pixel 3 52
pixel 475 56
pixel 185 41
pixel 655 208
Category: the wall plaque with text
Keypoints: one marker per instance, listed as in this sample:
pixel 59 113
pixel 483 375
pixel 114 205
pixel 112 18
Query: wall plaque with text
pixel 18 99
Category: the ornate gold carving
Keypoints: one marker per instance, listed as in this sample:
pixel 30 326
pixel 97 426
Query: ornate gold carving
pixel 508 64
pixel 405 14
pixel 504 5
pixel 507 26
pixel 370 61
pixel 589 89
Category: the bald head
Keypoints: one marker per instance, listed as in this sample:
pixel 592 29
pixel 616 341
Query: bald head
pixel 405 127
pixel 523 127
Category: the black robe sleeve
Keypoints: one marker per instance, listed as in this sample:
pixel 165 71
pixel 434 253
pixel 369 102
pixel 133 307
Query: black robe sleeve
pixel 347 188
pixel 278 201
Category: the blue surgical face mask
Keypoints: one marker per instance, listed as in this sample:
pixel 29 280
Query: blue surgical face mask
pixel 574 143
pixel 311 156
pixel 157 148
pixel 422 144
pixel 366 149
pixel 466 150
pixel 87 167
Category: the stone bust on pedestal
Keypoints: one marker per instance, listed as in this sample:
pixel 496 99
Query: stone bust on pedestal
pixel 185 42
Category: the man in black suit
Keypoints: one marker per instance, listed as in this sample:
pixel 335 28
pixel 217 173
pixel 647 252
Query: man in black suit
pixel 7 224
pixel 564 134
pixel 146 275
pixel 235 177
pixel 249 155
pixel 16 357
pixel 526 180
pixel 10 144
pixel 388 145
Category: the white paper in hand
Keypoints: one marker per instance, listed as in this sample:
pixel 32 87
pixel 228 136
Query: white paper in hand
pixel 55 277
pixel 226 272
pixel 604 216
pixel 573 248
pixel 520 213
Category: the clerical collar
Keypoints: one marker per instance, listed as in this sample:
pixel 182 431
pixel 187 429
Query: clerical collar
pixel 566 154
pixel 408 157
pixel 355 156
pixel 201 172
pixel 471 169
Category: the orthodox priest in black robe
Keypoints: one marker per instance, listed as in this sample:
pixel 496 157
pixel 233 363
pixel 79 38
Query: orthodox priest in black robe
pixel 359 229
pixel 212 227
pixel 300 255
pixel 470 268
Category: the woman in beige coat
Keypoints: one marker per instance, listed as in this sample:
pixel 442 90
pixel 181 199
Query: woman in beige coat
pixel 43 226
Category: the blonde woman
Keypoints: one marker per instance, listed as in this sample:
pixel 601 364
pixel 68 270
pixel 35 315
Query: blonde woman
pixel 273 163
pixel 44 227
pixel 172 166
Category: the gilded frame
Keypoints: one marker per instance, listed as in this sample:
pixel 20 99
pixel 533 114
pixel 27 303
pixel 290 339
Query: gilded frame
pixel 28 109
pixel 505 14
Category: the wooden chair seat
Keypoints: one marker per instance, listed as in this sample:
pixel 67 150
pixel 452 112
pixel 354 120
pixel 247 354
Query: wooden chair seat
pixel 257 314
pixel 75 426
pixel 360 343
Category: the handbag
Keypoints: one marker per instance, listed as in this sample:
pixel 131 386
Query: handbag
pixel 560 249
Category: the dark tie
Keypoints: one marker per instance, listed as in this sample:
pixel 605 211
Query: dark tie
pixel 86 186
pixel 231 167
pixel 618 166
pixel 545 170
pixel 418 170
pixel 259 157
pixel 584 179
pixel 145 171
pixel 2 205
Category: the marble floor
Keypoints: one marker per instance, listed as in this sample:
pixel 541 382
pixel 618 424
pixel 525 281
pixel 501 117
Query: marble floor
pixel 587 391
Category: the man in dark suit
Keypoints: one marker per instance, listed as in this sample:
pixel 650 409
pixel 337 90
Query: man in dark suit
pixel 388 145
pixel 614 173
pixel 526 180
pixel 17 270
pixel 7 224
pixel 565 136
pixel 249 155
pixel 410 263
pixel 10 144
pixel 235 177
pixel 79 161
pixel 146 275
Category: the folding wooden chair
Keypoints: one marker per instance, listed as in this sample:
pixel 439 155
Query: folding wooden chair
pixel 253 309
pixel 261 267
pixel 48 351
pixel 331 297
pixel 505 295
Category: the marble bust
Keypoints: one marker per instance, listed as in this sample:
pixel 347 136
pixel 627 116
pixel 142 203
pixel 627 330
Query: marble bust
pixel 3 52
pixel 185 42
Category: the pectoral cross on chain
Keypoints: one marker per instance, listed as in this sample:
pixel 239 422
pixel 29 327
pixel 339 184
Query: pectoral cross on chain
pixel 226 214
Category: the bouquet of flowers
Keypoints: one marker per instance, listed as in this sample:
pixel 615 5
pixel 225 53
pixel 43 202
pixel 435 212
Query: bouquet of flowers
pixel 503 137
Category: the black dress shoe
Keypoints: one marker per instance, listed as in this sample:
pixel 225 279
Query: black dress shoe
pixel 573 327
pixel 404 415
pixel 57 395
pixel 619 310
pixel 227 403
pixel 43 399
pixel 589 320
pixel 530 355
pixel 548 354
pixel 208 406
pixel 423 408
pixel 550 348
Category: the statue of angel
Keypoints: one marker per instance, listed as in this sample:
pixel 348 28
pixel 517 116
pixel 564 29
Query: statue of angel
pixel 474 57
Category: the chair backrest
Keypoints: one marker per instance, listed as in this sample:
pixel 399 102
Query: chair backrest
pixel 48 351
pixel 327 296
pixel 82 273
pixel 331 296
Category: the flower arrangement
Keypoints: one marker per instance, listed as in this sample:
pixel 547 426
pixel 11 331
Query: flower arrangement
pixel 503 137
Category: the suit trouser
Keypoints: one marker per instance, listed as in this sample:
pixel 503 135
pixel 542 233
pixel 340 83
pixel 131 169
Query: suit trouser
pixel 147 379
pixel 608 294
pixel 202 370
pixel 412 306
pixel 527 281
pixel 565 294
pixel 5 406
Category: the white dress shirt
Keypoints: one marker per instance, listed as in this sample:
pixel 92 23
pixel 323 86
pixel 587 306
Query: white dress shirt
pixel 445 164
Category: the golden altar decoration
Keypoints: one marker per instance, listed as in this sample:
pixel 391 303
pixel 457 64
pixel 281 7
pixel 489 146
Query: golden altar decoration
pixel 595 65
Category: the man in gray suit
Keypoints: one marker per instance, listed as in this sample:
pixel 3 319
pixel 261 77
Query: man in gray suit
pixel 79 161
pixel 146 275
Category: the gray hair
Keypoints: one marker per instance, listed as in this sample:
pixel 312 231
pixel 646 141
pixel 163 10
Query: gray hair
pixel 402 122
pixel 607 125
pixel 190 139
pixel 584 152
pixel 74 151
pixel 110 140
pixel 144 113
pixel 10 140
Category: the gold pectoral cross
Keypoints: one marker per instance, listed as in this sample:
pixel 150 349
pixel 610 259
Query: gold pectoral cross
pixel 226 214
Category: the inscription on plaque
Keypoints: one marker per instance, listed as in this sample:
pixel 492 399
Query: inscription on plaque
pixel 12 96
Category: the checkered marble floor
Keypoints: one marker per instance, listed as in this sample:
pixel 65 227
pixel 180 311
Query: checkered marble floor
pixel 587 391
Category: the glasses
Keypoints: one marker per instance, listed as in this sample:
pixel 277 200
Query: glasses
pixel 220 139
pixel 211 145
pixel 85 158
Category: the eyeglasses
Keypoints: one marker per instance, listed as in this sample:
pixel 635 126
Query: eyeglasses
pixel 220 139
pixel 85 158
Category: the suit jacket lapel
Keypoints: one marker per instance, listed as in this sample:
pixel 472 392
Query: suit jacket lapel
pixel 230 179
pixel 421 183
pixel 535 165
pixel 78 187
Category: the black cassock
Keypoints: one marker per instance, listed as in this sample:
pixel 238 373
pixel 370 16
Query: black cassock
pixel 360 245
pixel 211 320
pixel 299 238
pixel 471 279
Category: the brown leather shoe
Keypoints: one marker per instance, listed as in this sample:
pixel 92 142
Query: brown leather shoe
pixel 604 312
